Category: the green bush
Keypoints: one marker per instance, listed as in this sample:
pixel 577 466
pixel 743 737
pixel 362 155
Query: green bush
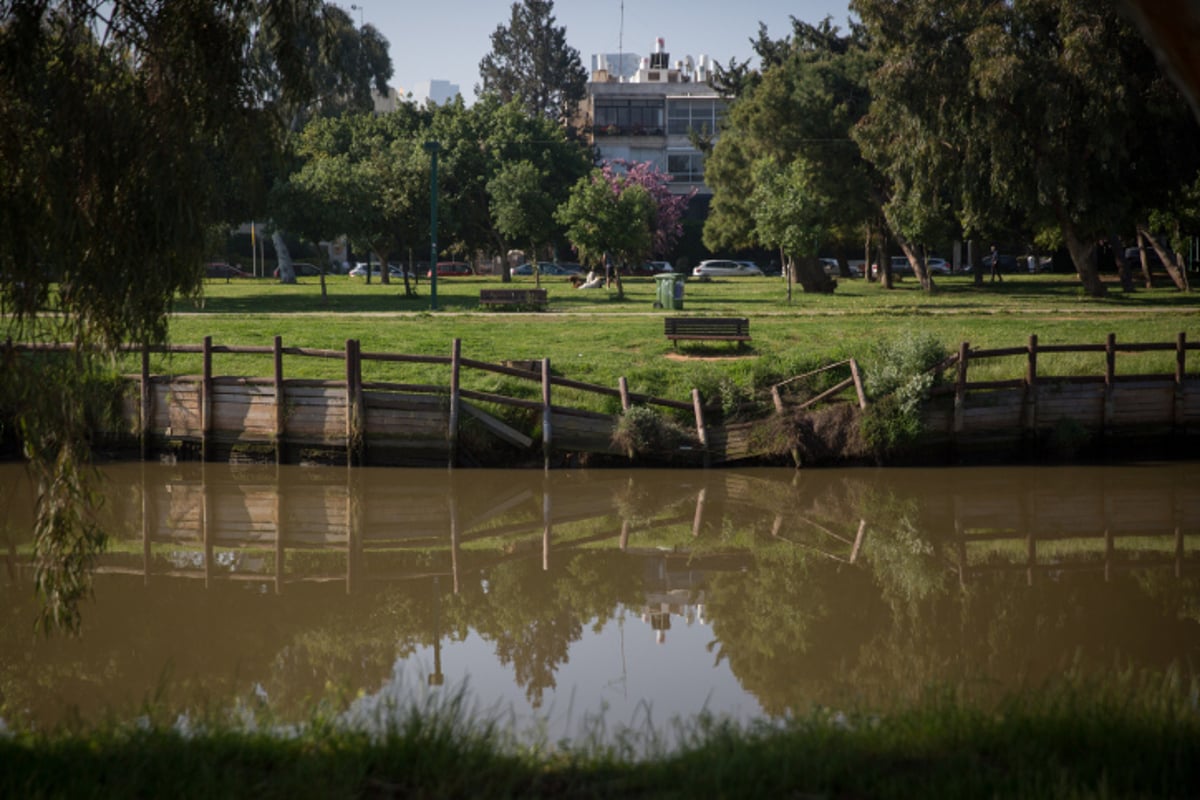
pixel 898 377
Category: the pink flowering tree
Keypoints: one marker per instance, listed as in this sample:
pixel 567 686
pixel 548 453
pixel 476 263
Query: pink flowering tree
pixel 667 224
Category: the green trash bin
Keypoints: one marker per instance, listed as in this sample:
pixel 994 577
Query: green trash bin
pixel 670 291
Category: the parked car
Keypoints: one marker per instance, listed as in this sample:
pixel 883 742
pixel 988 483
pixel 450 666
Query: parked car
pixel 832 268
pixel 451 269
pixel 302 269
pixel 546 268
pixel 217 269
pixel 394 271
pixel 724 268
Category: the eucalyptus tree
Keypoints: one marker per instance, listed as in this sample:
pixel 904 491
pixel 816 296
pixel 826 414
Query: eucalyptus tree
pixel 122 122
pixel 340 64
pixel 1045 107
pixel 786 142
pixel 530 61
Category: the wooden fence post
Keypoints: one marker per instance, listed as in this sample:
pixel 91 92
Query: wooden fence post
pixel 547 414
pixel 701 431
pixel 623 388
pixel 858 385
pixel 354 405
pixel 280 404
pixel 1177 410
pixel 1031 391
pixel 960 387
pixel 455 400
pixel 206 401
pixel 1110 370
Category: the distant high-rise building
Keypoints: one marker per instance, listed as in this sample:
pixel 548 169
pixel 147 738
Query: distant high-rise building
pixel 436 90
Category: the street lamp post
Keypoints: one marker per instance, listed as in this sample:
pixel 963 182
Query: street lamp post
pixel 432 148
pixel 359 9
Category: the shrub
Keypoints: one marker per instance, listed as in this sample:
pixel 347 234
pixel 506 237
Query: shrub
pixel 897 379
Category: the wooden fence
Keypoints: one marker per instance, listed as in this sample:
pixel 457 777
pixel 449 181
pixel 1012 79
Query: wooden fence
pixel 393 423
pixel 370 422
pixel 1104 406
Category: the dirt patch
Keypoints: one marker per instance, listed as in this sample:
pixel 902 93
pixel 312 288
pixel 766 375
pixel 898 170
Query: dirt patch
pixel 710 357
pixel 830 435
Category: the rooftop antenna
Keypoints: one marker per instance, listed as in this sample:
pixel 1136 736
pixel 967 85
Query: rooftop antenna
pixel 621 41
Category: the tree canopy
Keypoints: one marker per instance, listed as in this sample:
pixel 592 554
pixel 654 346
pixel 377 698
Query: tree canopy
pixel 125 124
pixel 530 61
pixel 1052 109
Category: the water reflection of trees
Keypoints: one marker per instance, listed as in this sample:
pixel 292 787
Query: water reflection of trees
pixel 819 587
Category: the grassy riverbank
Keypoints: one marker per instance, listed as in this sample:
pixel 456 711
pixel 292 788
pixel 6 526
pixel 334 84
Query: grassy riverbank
pixel 593 336
pixel 1063 744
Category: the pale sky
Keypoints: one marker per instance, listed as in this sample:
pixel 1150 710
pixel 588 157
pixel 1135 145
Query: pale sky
pixel 446 39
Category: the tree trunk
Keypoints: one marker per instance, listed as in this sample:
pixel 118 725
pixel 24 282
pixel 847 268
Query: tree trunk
pixel 1173 267
pixel 384 276
pixel 1123 268
pixel 1084 256
pixel 869 275
pixel 916 257
pixel 787 274
pixel 1141 243
pixel 287 273
pixel 812 276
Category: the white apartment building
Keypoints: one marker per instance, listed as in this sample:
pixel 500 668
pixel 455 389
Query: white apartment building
pixel 646 114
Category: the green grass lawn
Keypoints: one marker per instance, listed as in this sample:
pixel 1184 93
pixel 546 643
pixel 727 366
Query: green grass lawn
pixel 590 335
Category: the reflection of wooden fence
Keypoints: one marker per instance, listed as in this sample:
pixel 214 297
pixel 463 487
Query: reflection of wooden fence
pixel 1107 404
pixel 1060 529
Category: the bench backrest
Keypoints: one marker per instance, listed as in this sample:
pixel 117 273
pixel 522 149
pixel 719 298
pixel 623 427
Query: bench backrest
pixel 514 295
pixel 716 326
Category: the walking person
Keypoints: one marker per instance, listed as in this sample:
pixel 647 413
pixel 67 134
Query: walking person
pixel 995 262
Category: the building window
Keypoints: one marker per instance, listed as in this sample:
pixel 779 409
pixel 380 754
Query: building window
pixel 686 167
pixel 629 117
pixel 702 116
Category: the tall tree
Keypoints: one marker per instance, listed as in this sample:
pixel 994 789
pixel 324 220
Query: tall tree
pixel 531 61
pixel 1038 106
pixel 484 140
pixel 366 177
pixel 121 122
pixel 610 214
pixel 341 66
pixel 790 130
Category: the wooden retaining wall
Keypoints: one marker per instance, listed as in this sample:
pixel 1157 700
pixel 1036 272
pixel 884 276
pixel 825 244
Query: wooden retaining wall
pixel 362 422
pixel 1039 411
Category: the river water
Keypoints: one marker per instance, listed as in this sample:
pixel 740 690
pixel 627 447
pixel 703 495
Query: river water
pixel 577 604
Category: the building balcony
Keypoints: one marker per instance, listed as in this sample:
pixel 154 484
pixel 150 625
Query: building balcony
pixel 601 131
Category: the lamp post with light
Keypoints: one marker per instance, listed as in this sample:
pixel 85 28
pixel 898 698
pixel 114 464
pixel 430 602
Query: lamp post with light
pixel 432 147
pixel 359 9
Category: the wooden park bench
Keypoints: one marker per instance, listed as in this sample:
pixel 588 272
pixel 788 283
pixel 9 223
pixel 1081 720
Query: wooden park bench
pixel 725 329
pixel 513 298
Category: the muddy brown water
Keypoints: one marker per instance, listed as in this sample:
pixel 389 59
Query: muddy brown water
pixel 575 602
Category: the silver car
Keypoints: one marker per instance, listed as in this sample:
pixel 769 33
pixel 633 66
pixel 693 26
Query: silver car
pixel 724 268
